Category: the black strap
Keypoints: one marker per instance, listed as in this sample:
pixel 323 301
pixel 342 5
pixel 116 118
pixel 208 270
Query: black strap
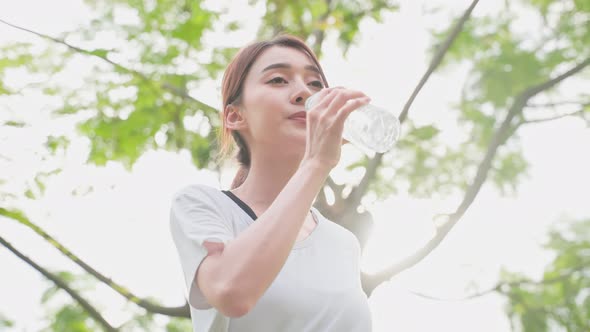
pixel 241 203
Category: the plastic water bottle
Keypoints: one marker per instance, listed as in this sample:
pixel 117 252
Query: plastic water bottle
pixel 369 127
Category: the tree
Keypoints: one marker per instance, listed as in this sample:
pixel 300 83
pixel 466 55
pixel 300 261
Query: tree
pixel 137 97
pixel 561 299
pixel 4 323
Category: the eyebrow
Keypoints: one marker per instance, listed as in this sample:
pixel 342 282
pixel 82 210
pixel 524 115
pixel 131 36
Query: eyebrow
pixel 288 66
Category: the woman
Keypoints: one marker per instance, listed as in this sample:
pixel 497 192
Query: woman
pixel 259 257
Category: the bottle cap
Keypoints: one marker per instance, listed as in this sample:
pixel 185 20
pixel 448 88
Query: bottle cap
pixel 310 101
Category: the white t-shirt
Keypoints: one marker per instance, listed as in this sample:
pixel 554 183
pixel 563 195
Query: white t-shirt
pixel 318 288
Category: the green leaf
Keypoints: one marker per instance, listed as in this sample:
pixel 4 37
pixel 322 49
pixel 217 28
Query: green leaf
pixel 15 55
pixel 318 8
pixel 200 150
pixel 233 26
pixel 179 325
pixel 40 184
pixel 49 293
pixel 29 194
pixel 54 143
pixel 358 163
pixel 425 133
pixel 17 124
pixel 102 53
pixel 543 5
pixel 5 323
pixel 558 299
pixel 72 318
pixel 141 322
pixel 67 109
pixel 3 89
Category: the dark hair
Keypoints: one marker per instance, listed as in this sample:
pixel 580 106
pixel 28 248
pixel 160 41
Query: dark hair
pixel 231 93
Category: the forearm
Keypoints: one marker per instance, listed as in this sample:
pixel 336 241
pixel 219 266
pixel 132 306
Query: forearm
pixel 253 259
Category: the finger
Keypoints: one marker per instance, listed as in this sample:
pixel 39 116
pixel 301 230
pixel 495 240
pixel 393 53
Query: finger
pixel 334 91
pixel 338 120
pixel 350 106
pixel 322 101
pixel 342 98
pixel 325 92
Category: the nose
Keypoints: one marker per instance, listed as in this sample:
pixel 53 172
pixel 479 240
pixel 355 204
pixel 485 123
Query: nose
pixel 300 93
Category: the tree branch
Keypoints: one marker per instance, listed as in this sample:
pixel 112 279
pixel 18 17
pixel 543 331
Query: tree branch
pixel 166 86
pixel 320 34
pixel 504 287
pixel 554 117
pixel 440 53
pixel 336 188
pixel 500 136
pixel 61 284
pixel 359 191
pixel 182 311
pixel 529 93
pixel 321 202
pixel 557 103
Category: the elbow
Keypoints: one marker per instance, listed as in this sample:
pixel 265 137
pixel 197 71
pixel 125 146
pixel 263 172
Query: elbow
pixel 234 304
pixel 235 310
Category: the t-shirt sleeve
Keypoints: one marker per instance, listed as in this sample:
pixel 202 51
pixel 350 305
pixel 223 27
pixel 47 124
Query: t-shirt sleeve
pixel 195 216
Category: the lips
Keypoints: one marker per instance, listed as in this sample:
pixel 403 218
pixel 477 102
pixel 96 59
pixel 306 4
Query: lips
pixel 299 115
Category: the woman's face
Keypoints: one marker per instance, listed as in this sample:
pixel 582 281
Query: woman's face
pixel 276 87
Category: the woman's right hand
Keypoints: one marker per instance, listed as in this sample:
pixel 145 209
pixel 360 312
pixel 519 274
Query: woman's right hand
pixel 325 122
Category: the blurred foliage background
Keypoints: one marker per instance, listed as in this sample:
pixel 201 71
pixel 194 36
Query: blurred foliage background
pixel 148 57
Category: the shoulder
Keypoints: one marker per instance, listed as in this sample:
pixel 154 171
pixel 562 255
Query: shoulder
pixel 198 198
pixel 198 204
pixel 196 191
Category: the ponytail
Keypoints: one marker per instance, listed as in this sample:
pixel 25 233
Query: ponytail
pixel 243 159
pixel 240 177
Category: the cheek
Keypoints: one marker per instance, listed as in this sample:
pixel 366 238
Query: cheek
pixel 266 113
pixel 264 124
pixel 268 119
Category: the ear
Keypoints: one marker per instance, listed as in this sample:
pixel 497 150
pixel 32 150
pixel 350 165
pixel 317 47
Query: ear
pixel 234 118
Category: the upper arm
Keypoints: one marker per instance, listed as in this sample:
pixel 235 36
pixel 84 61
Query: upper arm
pixel 208 279
pixel 208 274
pixel 196 217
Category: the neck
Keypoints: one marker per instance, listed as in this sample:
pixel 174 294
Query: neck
pixel 267 177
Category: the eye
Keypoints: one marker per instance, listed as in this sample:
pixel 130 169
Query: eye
pixel 317 84
pixel 277 80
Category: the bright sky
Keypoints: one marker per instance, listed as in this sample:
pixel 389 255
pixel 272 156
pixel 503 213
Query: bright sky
pixel 121 227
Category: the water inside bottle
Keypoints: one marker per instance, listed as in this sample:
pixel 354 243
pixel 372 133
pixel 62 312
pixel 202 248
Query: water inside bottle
pixel 372 127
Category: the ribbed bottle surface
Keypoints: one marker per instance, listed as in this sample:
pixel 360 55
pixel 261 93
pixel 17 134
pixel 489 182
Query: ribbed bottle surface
pixel 369 127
